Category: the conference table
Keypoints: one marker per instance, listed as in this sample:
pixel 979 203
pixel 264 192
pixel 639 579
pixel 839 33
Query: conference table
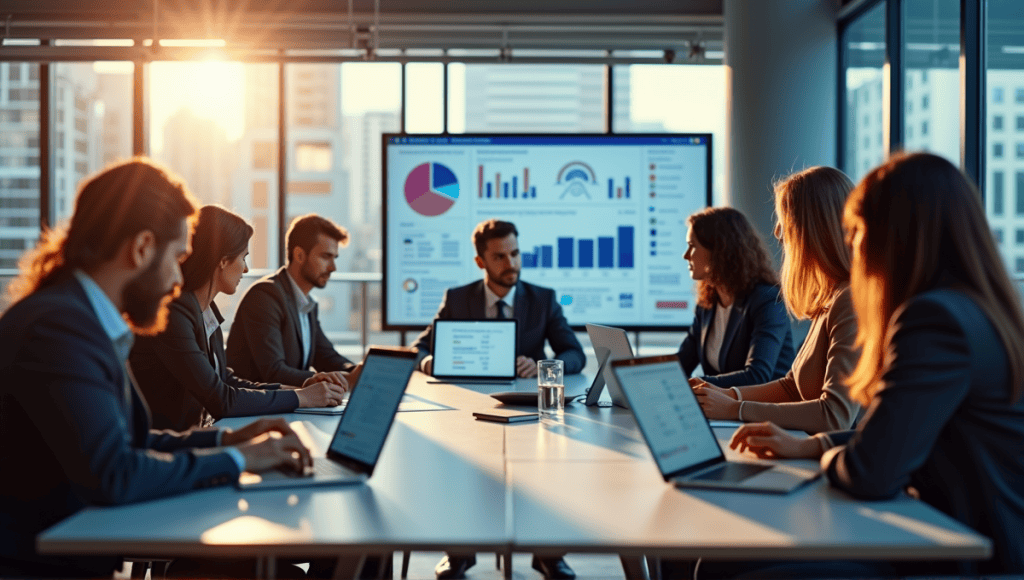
pixel 445 481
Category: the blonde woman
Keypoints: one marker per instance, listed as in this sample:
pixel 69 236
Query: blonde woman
pixel 812 397
pixel 942 374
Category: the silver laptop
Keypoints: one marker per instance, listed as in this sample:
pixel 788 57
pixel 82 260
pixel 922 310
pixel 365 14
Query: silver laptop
pixel 680 437
pixel 362 430
pixel 475 351
pixel 609 344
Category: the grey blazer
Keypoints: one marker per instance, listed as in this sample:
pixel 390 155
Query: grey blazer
pixel 265 340
pixel 537 311
pixel 73 435
pixel 942 423
pixel 175 372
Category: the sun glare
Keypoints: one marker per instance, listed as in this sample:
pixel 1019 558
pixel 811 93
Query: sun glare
pixel 211 89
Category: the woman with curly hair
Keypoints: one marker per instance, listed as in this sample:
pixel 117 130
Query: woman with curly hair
pixel 815 285
pixel 740 333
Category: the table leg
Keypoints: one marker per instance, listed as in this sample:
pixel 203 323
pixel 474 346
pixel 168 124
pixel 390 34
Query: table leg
pixel 348 568
pixel 507 568
pixel 634 568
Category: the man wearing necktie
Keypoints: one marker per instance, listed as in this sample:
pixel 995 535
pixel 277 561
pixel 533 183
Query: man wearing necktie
pixel 501 295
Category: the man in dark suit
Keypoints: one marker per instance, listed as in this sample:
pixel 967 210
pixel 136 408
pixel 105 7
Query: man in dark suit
pixel 501 294
pixel 72 423
pixel 276 336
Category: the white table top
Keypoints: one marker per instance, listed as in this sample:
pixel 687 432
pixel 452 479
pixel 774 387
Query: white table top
pixel 446 481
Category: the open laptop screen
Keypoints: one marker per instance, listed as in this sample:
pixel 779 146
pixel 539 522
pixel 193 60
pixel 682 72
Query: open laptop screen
pixel 667 412
pixel 481 349
pixel 372 406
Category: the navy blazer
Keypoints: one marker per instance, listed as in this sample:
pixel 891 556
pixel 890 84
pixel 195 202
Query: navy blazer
pixel 538 314
pixel 942 423
pixel 69 437
pixel 758 342
pixel 265 341
pixel 175 372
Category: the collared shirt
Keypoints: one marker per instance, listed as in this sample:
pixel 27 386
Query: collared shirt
pixel 120 334
pixel 305 304
pixel 210 325
pixel 491 302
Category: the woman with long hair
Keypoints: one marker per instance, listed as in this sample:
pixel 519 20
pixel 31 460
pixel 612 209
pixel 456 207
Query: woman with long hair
pixel 740 332
pixel 182 370
pixel 815 285
pixel 942 371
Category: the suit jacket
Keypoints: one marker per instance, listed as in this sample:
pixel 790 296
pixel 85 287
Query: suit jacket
pixel 758 342
pixel 175 371
pixel 70 436
pixel 538 314
pixel 265 340
pixel 941 422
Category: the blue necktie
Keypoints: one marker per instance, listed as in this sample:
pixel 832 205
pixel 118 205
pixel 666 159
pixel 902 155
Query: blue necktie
pixel 501 310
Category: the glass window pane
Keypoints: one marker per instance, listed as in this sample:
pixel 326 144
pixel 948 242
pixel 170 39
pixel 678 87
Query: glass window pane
pixel 1004 163
pixel 424 97
pixel 221 137
pixel 526 98
pixel 863 54
pixel 931 93
pixel 19 162
pixel 92 125
pixel 674 98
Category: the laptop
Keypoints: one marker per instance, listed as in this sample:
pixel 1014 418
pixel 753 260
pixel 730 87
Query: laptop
pixel 362 430
pixel 680 437
pixel 475 351
pixel 609 344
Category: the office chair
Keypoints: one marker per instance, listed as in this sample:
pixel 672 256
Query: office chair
pixel 405 563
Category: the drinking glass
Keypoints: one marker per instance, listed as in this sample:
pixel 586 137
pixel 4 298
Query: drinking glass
pixel 551 390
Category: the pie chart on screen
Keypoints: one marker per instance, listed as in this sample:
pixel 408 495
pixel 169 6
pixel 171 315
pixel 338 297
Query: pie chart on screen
pixel 431 189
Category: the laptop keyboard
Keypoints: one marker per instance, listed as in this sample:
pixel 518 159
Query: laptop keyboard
pixel 732 472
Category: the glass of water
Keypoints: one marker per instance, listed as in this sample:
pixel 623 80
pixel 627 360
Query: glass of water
pixel 550 390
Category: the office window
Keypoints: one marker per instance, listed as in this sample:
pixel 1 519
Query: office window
pixel 221 136
pixel 997 122
pixel 675 98
pixel 1019 235
pixel 997 150
pixel 998 235
pixel 1019 95
pixel 997 94
pixel 1020 150
pixel 424 97
pixel 1020 193
pixel 1020 122
pixel 862 48
pixel 1019 267
pixel 997 193
pixel 19 167
pixel 314 157
pixel 931 37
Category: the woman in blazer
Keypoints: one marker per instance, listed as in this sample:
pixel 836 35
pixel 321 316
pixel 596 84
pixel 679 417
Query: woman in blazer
pixel 740 332
pixel 815 277
pixel 182 370
pixel 942 370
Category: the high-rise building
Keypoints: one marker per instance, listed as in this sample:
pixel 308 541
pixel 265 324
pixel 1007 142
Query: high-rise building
pixel 197 150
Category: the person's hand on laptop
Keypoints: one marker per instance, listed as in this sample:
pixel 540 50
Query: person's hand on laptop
pixel 716 402
pixel 526 367
pixel 269 443
pixel 767 440
pixel 321 394
pixel 337 377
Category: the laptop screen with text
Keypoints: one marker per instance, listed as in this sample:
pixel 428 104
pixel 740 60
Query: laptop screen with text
pixel 475 348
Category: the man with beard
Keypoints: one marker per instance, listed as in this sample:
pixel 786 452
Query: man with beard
pixel 276 335
pixel 501 294
pixel 74 430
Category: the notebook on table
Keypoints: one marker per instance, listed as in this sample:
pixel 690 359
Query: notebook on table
pixel 475 351
pixel 362 430
pixel 681 439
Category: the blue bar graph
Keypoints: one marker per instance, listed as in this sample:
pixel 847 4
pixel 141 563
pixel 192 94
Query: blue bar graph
pixel 505 187
pixel 565 252
pixel 625 246
pixel 533 191
pixel 514 186
pixel 546 257
pixel 586 253
pixel 489 189
pixel 611 189
pixel 605 252
pixel 627 187
pixel 529 260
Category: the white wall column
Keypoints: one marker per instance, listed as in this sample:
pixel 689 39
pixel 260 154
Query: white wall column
pixel 780 58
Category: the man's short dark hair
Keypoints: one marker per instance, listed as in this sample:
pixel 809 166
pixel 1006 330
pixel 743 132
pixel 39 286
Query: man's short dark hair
pixel 305 231
pixel 491 230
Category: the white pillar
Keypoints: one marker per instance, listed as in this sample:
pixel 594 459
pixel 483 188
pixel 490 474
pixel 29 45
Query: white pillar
pixel 780 58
